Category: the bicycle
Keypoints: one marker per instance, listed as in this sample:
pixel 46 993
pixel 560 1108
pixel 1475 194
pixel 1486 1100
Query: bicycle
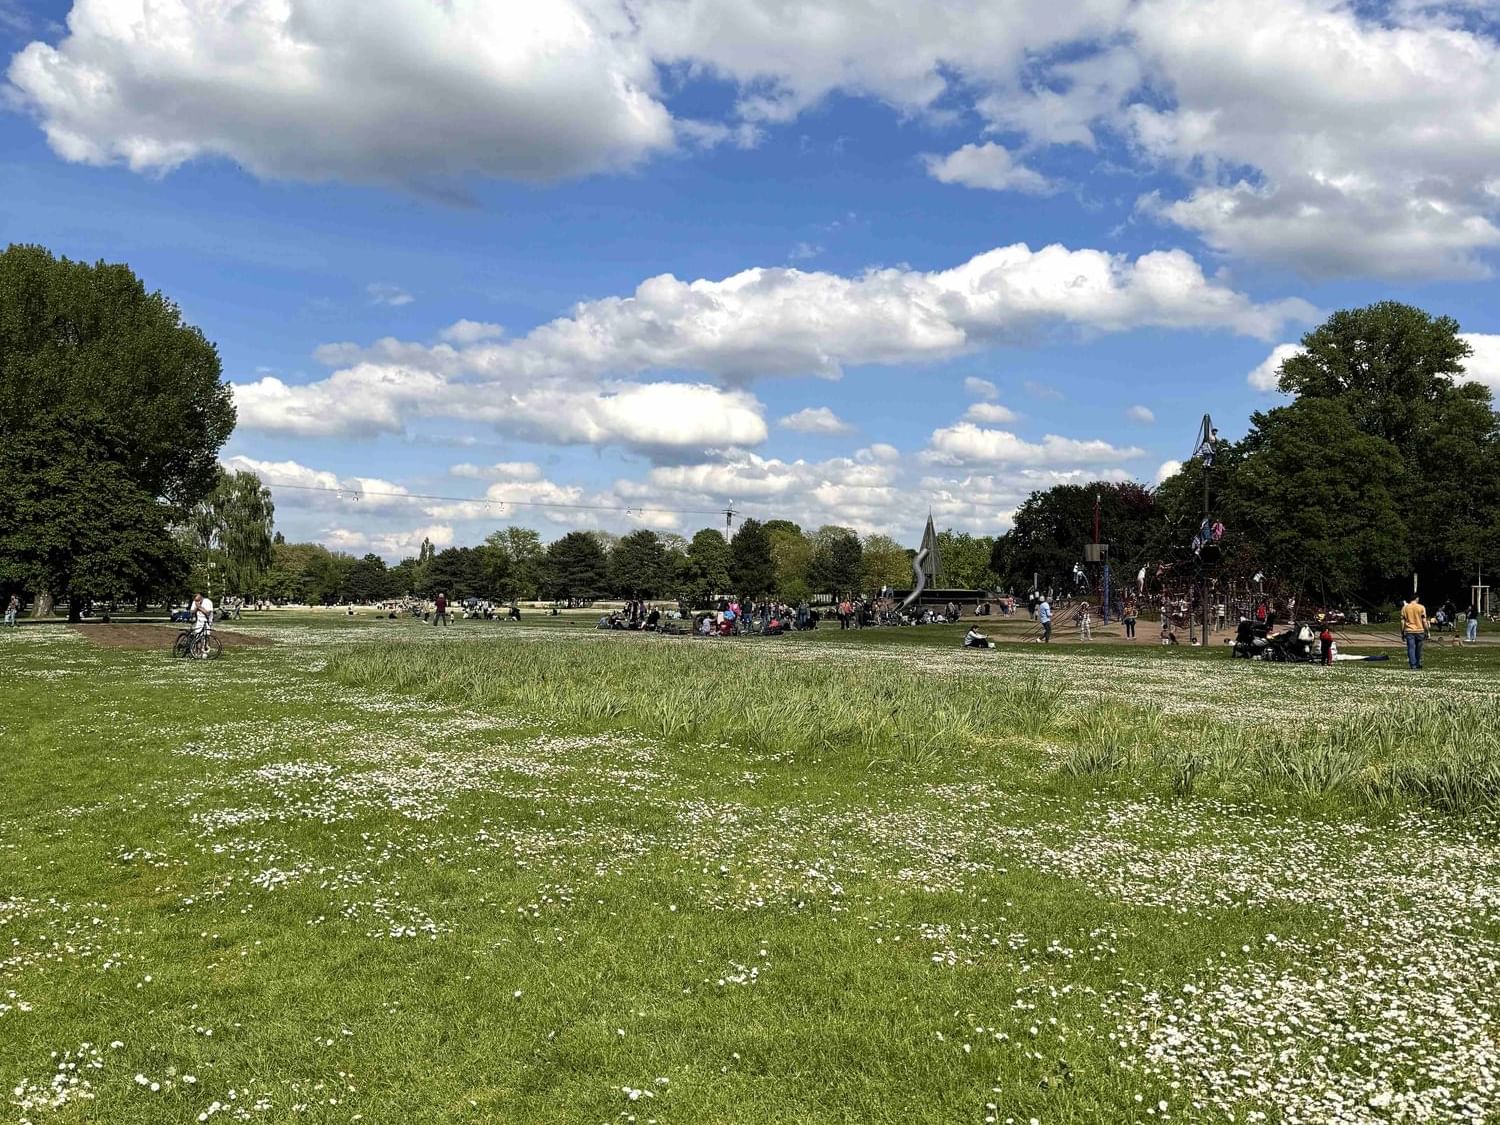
pixel 199 646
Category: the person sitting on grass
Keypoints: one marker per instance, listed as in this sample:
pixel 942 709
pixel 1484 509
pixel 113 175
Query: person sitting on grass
pixel 975 639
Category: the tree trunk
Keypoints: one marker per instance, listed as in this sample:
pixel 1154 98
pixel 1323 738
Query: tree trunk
pixel 43 605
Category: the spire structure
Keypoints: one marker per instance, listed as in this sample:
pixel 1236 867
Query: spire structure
pixel 932 564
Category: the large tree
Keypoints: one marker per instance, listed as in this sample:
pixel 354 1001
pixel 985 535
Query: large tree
pixel 1051 528
pixel 751 568
pixel 966 560
pixel 73 522
pixel 1398 372
pixel 639 566
pixel 1321 495
pixel 885 563
pixel 516 560
pixel 100 366
pixel 705 571
pixel 458 572
pixel 836 562
pixel 575 567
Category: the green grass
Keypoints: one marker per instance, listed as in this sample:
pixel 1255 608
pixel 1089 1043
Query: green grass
pixel 513 874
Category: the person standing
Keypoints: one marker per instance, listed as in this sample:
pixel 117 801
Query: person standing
pixel 1413 630
pixel 13 607
pixel 440 611
pixel 1044 615
pixel 1471 617
pixel 203 614
pixel 1129 619
pixel 1326 637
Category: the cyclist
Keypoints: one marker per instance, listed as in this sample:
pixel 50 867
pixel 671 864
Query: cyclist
pixel 203 614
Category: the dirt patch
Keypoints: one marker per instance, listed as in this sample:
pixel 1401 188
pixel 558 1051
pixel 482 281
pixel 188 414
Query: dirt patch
pixel 154 636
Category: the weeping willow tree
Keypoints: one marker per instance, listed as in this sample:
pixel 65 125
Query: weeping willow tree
pixel 232 534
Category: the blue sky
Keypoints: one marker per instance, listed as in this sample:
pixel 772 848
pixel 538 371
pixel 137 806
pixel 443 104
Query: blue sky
pixel 1181 188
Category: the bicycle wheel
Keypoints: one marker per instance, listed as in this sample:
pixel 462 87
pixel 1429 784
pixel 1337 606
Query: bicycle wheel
pixel 215 647
pixel 183 643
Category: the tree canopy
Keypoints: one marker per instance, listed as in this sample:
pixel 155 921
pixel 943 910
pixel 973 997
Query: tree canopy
pixel 109 378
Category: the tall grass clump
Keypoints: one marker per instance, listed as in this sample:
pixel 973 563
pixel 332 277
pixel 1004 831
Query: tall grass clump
pixel 692 692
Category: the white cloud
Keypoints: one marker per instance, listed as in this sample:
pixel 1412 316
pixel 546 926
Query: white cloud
pixel 774 321
pixel 377 91
pixel 988 166
pixel 1484 365
pixel 470 332
pixel 1334 137
pixel 661 419
pixel 981 388
pixel 390 545
pixel 503 470
pixel 299 486
pixel 1141 414
pixel 391 296
pixel 967 444
pixel 991 412
pixel 567 381
pixel 1267 373
pixel 815 420
pixel 1167 469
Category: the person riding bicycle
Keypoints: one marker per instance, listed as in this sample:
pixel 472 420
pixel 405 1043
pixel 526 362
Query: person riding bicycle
pixel 203 614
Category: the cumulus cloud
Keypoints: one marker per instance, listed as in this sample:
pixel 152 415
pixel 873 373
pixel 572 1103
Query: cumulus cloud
pixel 815 420
pixel 991 412
pixel 569 381
pixel 776 321
pixel 1141 414
pixel 968 444
pixel 1167 469
pixel 377 91
pixel 1334 137
pixel 1484 365
pixel 1267 373
pixel 981 388
pixel 503 470
pixel 470 332
pixel 989 166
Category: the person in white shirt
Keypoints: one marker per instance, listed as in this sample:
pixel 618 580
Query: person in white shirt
pixel 203 613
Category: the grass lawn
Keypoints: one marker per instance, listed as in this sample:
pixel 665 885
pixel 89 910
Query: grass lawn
pixel 382 872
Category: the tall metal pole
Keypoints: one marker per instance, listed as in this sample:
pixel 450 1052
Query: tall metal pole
pixel 1205 453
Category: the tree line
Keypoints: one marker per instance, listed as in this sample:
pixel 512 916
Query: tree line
pixel 774 557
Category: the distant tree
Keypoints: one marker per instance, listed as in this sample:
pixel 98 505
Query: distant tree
pixel 517 562
pixel 837 562
pixel 966 560
pixel 110 376
pixel 639 566
pixel 458 572
pixel 885 563
pixel 791 552
pixel 369 580
pixel 705 571
pixel 232 528
pixel 1051 527
pixel 752 571
pixel 575 566
pixel 404 578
